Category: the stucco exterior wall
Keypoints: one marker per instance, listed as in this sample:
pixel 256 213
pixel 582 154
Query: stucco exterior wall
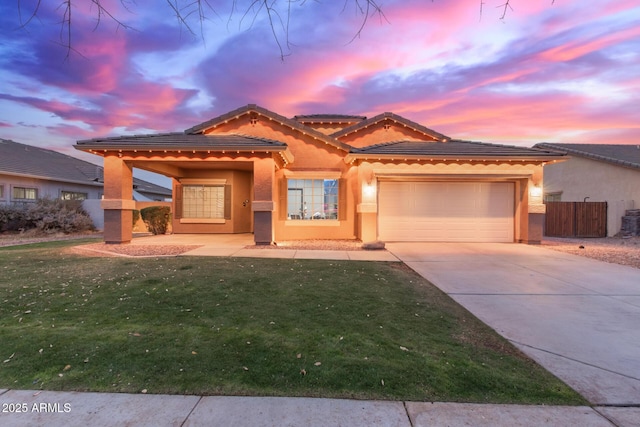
pixel 46 188
pixel 316 160
pixel 579 177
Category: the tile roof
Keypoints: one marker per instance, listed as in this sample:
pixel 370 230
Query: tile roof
pixel 181 141
pixel 622 155
pixel 30 161
pixel 393 117
pixel 454 149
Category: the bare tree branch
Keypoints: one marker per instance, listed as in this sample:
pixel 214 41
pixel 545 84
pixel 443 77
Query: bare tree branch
pixel 370 8
pixel 33 14
pixel 187 10
pixel 506 6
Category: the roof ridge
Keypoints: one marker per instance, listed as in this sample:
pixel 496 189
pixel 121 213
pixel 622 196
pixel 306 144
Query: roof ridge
pixel 129 136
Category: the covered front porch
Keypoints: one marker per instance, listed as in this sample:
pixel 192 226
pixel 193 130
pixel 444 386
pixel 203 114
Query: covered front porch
pixel 220 184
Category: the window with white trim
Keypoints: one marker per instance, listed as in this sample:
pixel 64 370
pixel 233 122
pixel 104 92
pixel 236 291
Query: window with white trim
pixel 312 199
pixel 23 193
pixel 203 201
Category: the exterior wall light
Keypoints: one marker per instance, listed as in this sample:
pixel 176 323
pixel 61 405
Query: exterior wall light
pixel 369 190
pixel 536 191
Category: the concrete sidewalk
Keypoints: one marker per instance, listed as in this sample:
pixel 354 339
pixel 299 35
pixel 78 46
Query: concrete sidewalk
pixel 67 409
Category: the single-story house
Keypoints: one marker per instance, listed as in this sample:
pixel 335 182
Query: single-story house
pixel 329 177
pixel 595 173
pixel 29 173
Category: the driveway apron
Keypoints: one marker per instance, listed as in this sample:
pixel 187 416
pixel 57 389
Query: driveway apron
pixel 577 317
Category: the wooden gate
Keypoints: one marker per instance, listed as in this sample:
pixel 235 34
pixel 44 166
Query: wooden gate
pixel 576 219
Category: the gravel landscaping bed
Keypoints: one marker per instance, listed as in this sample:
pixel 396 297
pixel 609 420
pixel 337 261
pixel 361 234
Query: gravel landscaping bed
pixel 102 249
pixel 616 250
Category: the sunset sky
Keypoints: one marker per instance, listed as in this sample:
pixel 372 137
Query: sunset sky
pixel 564 71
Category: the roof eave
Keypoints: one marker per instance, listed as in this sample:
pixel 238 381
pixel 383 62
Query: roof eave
pixel 98 148
pixel 351 157
pixel 90 182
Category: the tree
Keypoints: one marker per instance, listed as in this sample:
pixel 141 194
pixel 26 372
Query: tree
pixel 193 13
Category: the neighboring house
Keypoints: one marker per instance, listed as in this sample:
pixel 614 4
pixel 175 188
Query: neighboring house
pixel 329 177
pixel 29 173
pixel 596 173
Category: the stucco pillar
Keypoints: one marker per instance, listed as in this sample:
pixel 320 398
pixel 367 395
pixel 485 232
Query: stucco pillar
pixel 263 205
pixel 118 203
pixel 368 203
pixel 536 208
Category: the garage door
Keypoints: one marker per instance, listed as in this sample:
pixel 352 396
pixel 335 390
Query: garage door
pixel 446 211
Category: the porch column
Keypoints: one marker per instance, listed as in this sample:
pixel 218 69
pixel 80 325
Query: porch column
pixel 367 207
pixel 537 208
pixel 118 203
pixel 263 205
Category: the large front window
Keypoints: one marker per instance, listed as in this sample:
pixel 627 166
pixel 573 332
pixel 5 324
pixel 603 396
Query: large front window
pixel 203 201
pixel 312 199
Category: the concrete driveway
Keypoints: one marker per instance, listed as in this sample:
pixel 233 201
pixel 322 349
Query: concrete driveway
pixel 577 317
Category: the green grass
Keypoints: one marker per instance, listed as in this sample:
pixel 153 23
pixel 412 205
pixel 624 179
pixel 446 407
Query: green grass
pixel 240 326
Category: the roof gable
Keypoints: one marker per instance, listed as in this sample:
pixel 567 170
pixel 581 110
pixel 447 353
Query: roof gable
pixel 617 154
pixel 256 111
pixel 395 120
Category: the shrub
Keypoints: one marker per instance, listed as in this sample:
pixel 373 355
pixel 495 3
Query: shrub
pixel 55 215
pixel 46 216
pixel 156 218
pixel 12 218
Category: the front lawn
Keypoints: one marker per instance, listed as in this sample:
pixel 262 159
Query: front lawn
pixel 241 326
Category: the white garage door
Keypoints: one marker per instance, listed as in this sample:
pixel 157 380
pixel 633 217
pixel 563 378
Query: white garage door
pixel 446 211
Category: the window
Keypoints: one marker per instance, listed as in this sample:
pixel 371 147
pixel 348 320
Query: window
pixel 22 193
pixel 203 201
pixel 1 191
pixel 312 199
pixel 72 195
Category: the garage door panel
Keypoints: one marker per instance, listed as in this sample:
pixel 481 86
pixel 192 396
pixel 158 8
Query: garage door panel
pixel 446 211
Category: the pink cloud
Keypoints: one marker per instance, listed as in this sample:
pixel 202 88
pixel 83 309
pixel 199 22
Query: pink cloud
pixel 578 48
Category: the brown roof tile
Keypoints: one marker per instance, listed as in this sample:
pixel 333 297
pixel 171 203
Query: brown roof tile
pixel 454 149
